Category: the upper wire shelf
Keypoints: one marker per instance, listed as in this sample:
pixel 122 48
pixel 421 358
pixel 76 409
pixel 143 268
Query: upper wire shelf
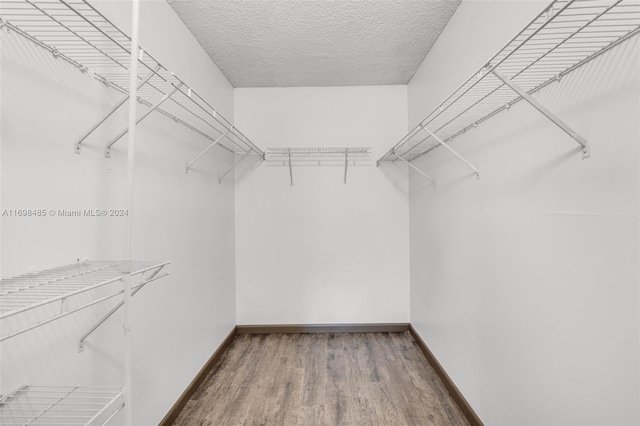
pixel 76 32
pixel 41 297
pixel 318 155
pixel 565 36
pixel 61 405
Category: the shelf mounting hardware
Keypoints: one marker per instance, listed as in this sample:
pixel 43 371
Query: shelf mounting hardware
pixel 216 142
pixel 458 156
pixel 114 109
pixel 432 180
pixel 586 152
pixel 107 151
pixel 145 280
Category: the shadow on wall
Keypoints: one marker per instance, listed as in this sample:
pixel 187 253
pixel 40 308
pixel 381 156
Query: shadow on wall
pixel 397 174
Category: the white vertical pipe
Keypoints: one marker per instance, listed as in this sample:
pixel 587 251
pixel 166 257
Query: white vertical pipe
pixel 133 76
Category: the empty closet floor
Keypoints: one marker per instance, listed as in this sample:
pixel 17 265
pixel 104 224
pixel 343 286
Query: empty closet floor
pixel 322 379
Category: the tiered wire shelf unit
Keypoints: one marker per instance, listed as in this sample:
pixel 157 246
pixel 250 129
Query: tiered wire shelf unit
pixel 53 405
pixel 74 31
pixel 565 36
pixel 312 156
pixel 35 299
pixel 32 300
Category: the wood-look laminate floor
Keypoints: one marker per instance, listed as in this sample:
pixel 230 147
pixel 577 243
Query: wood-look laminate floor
pixel 322 379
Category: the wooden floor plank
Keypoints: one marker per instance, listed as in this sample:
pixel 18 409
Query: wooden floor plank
pixel 322 379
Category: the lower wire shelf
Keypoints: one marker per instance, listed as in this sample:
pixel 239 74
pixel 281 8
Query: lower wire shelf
pixel 32 300
pixel 61 405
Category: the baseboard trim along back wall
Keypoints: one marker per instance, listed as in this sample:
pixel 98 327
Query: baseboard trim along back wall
pixel 323 328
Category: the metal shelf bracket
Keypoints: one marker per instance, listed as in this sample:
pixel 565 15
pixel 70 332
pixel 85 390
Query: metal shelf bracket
pixel 107 151
pixel 432 180
pixel 458 156
pixel 586 151
pixel 234 165
pixel 290 168
pixel 216 142
pixel 145 280
pixel 346 164
pixel 117 106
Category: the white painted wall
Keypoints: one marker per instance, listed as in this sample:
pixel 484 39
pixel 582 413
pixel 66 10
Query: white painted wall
pixel 321 251
pixel 525 283
pixel 189 219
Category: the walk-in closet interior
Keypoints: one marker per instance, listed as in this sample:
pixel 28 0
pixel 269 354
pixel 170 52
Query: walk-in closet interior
pixel 320 212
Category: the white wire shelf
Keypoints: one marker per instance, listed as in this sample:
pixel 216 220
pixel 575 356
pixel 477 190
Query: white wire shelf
pixel 32 300
pixel 74 31
pixel 322 153
pixel 60 405
pixel 565 36
pixel 342 155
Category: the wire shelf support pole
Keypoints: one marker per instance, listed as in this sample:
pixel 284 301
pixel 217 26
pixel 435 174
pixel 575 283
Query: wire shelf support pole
pixel 133 75
pixel 586 151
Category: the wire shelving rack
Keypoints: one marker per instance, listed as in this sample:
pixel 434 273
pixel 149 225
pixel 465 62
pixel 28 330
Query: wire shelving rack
pixel 311 155
pixel 38 298
pixel 562 38
pixel 76 32
pixel 60 405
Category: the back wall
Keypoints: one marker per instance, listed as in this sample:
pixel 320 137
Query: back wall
pixel 321 251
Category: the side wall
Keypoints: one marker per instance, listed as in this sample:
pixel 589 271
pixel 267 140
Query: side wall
pixel 525 283
pixel 178 321
pixel 321 251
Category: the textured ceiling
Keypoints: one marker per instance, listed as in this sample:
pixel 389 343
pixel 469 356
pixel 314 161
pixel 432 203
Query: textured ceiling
pixel 291 43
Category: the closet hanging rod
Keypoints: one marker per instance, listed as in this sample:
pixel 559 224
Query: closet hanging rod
pixel 565 36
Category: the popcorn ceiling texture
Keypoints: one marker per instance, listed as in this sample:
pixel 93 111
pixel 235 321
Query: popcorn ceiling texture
pixel 297 43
